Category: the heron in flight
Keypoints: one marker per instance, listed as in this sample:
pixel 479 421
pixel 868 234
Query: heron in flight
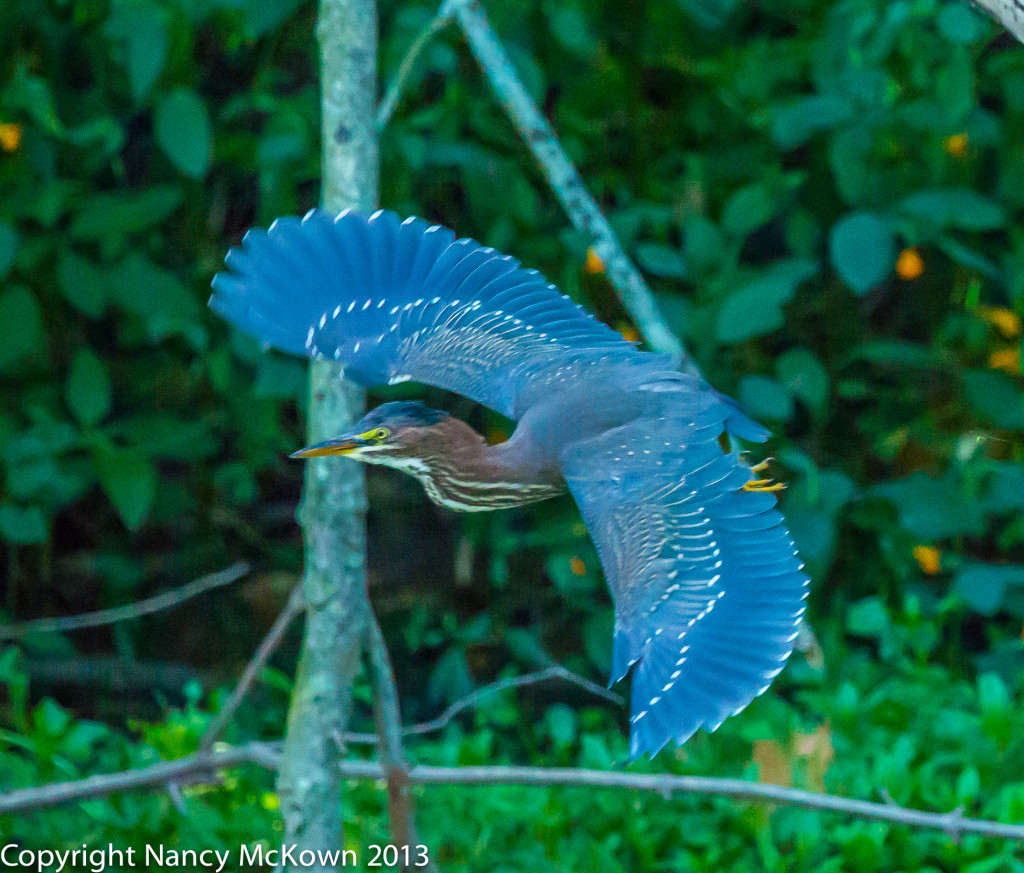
pixel 707 586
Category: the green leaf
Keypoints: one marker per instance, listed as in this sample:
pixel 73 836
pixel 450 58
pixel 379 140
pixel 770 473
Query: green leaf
pixel 87 390
pixel 110 217
pixel 747 210
pixel 32 94
pixel 1004 491
pixel 23 525
pixel 812 503
pixel 955 207
pixel 50 718
pixel 897 353
pixel 147 50
pixel 794 124
pixel 129 481
pixel 570 27
pixel 932 508
pixel 965 256
pixel 709 14
pixel 996 397
pixel 993 694
pixel 863 249
pixel 154 294
pixel 262 17
pixel 159 435
pixel 142 27
pixel 182 128
pixel 561 725
pixel 764 398
pixel 82 283
pixel 702 244
pixel 21 325
pixel 867 618
pixel 8 247
pixel 661 260
pixel 960 25
pixel 805 376
pixel 756 309
pixel 983 585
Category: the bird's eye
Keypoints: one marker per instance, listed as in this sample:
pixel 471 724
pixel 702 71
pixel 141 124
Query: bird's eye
pixel 380 434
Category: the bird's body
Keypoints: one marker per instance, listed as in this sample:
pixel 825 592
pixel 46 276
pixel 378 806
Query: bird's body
pixel 707 587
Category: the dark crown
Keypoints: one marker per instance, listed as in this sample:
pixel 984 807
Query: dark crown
pixel 404 413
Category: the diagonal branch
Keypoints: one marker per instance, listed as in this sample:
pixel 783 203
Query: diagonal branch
pixel 203 767
pixel 556 671
pixel 1010 13
pixel 271 641
pixel 565 180
pixel 397 85
pixel 165 600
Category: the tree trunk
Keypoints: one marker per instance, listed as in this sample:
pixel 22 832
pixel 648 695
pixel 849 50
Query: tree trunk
pixel 333 507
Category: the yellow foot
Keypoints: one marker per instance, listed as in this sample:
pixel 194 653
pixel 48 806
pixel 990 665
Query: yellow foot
pixel 763 485
pixel 760 468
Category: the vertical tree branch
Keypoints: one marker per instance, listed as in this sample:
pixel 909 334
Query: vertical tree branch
pixel 334 500
pixel 389 746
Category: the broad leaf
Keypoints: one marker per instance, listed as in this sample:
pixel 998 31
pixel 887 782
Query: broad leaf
pixel 862 249
pixel 182 128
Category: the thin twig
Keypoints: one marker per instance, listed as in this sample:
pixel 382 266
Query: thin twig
pixel 556 671
pixel 113 673
pixel 565 180
pixel 165 600
pixel 397 85
pixel 388 715
pixel 203 767
pixel 271 641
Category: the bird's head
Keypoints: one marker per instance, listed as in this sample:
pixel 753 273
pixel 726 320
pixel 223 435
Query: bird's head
pixel 392 431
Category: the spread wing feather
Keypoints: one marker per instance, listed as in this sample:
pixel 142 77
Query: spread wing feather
pixel 405 300
pixel 707 586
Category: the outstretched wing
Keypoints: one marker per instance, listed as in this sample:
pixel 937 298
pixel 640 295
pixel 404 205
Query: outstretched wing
pixel 707 585
pixel 403 300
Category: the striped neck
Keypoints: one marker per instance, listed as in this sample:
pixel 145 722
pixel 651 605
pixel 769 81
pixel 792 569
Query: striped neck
pixel 459 471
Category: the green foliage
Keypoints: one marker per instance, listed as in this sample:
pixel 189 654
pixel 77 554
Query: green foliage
pixel 827 201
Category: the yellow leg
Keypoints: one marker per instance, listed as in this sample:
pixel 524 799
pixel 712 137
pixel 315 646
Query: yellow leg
pixel 763 485
pixel 760 468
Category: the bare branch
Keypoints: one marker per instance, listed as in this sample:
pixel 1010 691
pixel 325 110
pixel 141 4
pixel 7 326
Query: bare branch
pixel 271 641
pixel 397 85
pixel 113 673
pixel 556 671
pixel 203 767
pixel 666 785
pixel 165 600
pixel 565 180
pixel 1010 13
pixel 389 733
pixel 195 769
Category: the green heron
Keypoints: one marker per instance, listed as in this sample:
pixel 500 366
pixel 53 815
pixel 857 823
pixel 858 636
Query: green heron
pixel 707 586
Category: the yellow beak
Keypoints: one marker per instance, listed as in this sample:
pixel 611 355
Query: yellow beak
pixel 340 446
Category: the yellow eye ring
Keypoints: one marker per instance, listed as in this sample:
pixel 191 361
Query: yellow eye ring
pixel 380 434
